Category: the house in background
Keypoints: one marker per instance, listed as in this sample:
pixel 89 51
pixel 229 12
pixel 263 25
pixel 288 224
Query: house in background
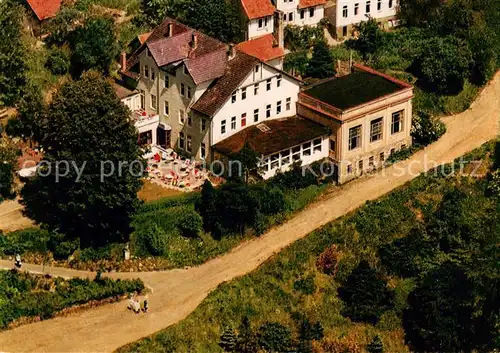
pixel 369 114
pixel 345 14
pixel 42 12
pixel 258 17
pixel 301 12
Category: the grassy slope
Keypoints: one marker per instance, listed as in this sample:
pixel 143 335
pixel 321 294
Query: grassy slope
pixel 268 295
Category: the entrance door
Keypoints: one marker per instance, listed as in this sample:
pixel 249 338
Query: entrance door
pixel 163 137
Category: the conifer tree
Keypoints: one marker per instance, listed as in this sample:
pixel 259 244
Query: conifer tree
pixel 228 340
pixel 376 345
pixel 321 63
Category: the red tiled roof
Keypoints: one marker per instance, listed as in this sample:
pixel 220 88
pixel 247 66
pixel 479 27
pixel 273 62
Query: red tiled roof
pixel 264 48
pixel 143 37
pixel 283 133
pixel 205 58
pixel 218 93
pixel 310 3
pixel 44 9
pixel 258 8
pixel 236 71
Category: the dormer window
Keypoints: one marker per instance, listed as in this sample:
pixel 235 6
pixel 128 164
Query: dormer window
pixel 146 71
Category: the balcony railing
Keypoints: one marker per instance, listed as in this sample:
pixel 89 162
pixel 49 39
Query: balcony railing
pixel 142 118
pixel 319 106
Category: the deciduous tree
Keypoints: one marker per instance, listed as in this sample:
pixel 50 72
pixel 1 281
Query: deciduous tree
pixel 88 186
pixel 13 53
pixel 94 46
pixel 439 317
pixel 321 63
pixel 365 295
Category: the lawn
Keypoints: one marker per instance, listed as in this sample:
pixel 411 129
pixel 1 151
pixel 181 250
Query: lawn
pixel 276 292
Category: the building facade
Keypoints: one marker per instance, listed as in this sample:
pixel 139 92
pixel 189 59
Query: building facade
pixel 301 12
pixel 369 115
pixel 345 14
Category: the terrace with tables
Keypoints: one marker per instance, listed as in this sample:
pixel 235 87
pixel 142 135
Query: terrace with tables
pixel 168 169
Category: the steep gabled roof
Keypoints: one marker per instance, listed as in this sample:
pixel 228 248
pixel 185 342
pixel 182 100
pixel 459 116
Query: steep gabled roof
pixel 257 8
pixel 172 42
pixel 310 3
pixel 143 37
pixel 237 69
pixel 264 48
pixel 218 93
pixel 45 9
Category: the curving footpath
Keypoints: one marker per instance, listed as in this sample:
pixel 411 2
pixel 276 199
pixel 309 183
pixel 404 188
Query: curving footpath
pixel 178 292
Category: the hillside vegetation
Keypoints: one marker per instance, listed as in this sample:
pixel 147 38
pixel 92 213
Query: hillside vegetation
pixel 412 271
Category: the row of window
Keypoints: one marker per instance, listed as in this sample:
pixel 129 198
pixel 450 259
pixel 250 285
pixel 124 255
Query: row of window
pixel 263 22
pixel 187 145
pixel 292 155
pixel 376 129
pixel 368 5
pixel 288 17
pixel 371 161
pixel 256 87
pixel 185 90
pixel 256 115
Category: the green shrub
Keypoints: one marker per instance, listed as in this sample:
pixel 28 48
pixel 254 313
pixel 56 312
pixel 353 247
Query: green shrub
pixel 274 337
pixel 409 256
pixel 58 61
pixel 403 153
pixel 365 295
pixel 26 295
pixel 305 285
pixel 156 241
pixel 191 224
pixel 425 129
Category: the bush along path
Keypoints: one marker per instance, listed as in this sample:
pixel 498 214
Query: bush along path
pixel 178 292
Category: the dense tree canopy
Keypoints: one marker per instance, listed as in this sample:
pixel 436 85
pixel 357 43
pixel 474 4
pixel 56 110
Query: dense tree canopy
pixel 321 64
pixel 216 18
pixel 440 313
pixel 370 38
pixel 8 165
pixel 94 46
pixel 88 127
pixel 444 64
pixel 13 53
pixel 365 295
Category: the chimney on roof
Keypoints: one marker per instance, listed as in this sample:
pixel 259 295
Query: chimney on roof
pixel 170 29
pixel 194 40
pixel 231 53
pixel 123 61
pixel 279 28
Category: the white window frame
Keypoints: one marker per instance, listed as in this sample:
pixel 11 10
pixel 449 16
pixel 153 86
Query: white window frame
pixel 256 88
pixel 376 129
pixel 166 108
pixel 255 115
pixel 223 129
pixel 345 11
pixel 153 101
pixel 356 9
pixel 278 81
pixel 233 123
pixel 243 94
pixel 233 97
pixel 357 137
pixel 203 151
pixel 288 104
pixel 400 114
pixel 368 7
pixel 311 12
pixel 182 116
pixel 203 124
pixel 182 142
pixel 269 84
pixel 278 107
pixel 268 111
pixel 189 144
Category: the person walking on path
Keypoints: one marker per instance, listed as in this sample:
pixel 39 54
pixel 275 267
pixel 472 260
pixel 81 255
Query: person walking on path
pixel 145 308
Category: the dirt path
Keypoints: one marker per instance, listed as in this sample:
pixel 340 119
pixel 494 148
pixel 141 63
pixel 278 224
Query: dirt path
pixel 11 217
pixel 178 292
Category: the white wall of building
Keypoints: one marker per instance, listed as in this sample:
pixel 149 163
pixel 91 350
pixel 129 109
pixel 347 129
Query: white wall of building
pixel 308 153
pixel 353 18
pixel 290 8
pixel 133 102
pixel 260 26
pixel 288 89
